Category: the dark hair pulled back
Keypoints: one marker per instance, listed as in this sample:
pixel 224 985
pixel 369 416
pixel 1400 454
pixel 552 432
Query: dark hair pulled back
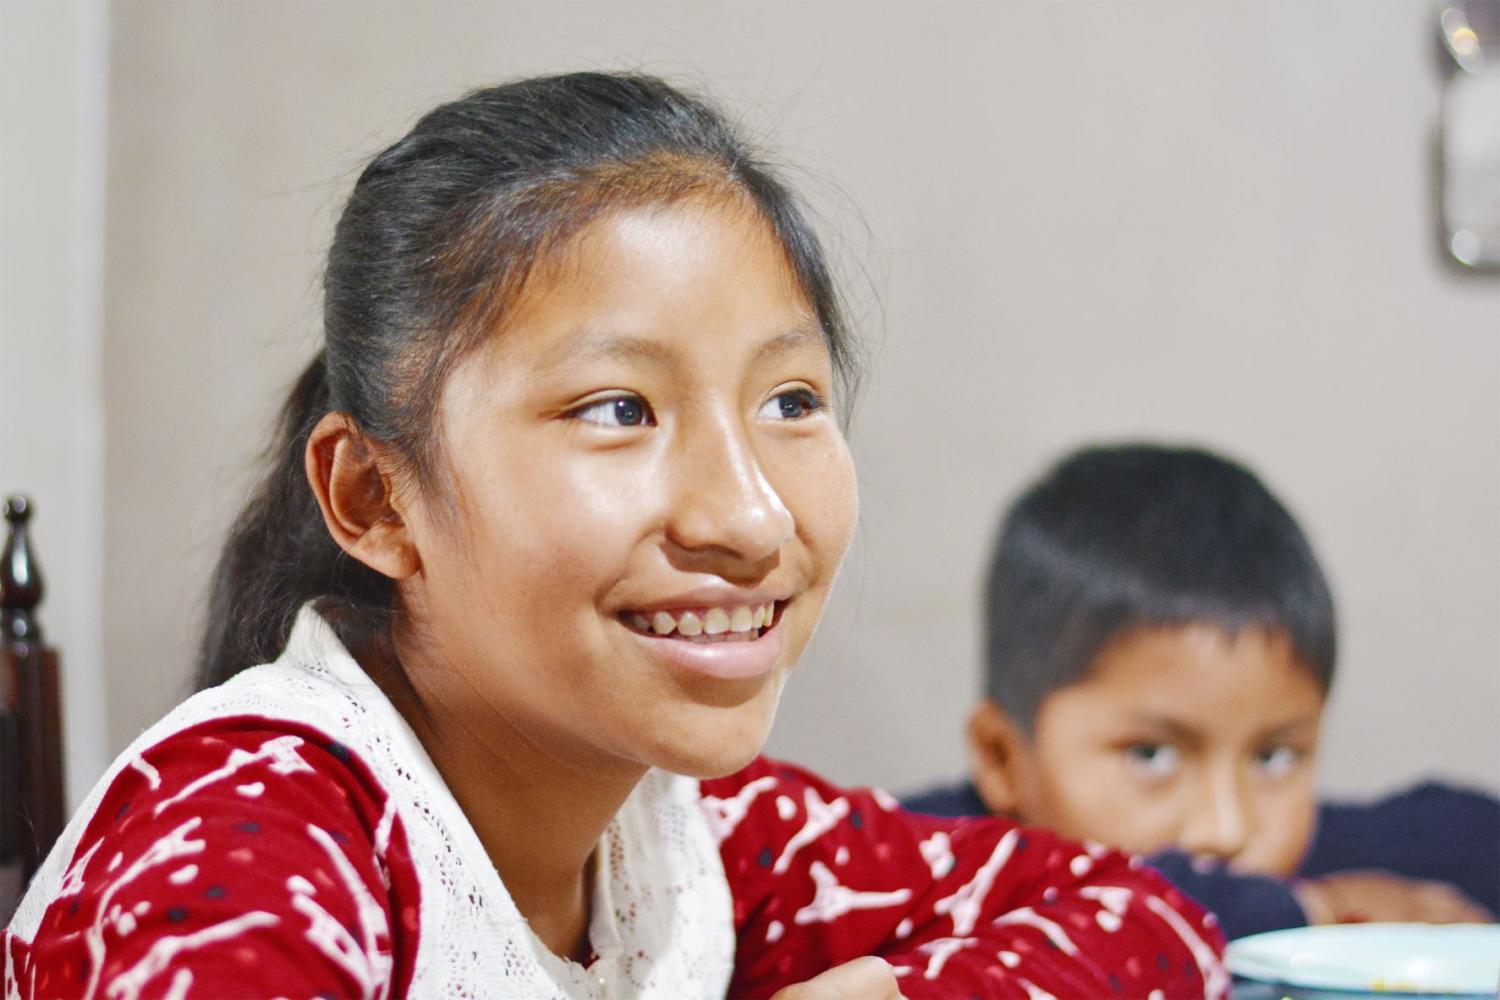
pixel 435 242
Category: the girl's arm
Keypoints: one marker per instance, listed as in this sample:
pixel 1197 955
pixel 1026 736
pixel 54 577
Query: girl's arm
pixel 821 875
pixel 238 857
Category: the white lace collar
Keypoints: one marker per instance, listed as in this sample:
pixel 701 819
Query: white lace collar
pixel 662 923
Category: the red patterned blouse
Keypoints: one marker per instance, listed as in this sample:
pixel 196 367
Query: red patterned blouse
pixel 255 855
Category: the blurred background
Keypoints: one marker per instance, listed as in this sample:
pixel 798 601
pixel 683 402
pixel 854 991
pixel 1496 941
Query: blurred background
pixel 1060 222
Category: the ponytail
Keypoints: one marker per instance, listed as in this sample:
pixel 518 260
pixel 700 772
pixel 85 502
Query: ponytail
pixel 280 555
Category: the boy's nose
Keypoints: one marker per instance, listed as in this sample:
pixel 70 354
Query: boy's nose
pixel 724 505
pixel 1218 824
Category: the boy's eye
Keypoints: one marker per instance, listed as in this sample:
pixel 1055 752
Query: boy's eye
pixel 791 404
pixel 1153 760
pixel 616 411
pixel 1277 761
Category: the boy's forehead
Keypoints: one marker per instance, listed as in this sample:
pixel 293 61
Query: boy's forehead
pixel 1146 649
pixel 1193 671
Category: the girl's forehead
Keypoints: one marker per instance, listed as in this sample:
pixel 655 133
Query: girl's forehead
pixel 661 242
pixel 690 272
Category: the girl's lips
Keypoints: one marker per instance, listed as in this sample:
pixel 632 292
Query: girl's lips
pixel 728 656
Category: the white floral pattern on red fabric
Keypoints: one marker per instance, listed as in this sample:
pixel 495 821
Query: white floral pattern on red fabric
pixel 308 848
pixel 966 907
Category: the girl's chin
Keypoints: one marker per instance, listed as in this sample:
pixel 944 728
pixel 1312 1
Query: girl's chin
pixel 685 733
pixel 715 751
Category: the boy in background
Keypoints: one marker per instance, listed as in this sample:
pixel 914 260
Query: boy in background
pixel 1160 642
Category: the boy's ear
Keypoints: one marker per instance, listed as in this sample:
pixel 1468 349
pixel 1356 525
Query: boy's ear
pixel 351 478
pixel 997 757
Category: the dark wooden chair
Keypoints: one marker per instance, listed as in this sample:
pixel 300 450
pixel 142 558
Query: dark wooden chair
pixel 31 771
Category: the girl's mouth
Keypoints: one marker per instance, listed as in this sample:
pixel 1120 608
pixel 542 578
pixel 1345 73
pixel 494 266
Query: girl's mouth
pixel 743 623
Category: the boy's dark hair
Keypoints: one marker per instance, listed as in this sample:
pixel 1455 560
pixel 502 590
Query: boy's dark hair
pixel 1128 536
pixel 434 245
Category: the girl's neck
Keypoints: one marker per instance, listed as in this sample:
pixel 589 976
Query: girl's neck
pixel 539 814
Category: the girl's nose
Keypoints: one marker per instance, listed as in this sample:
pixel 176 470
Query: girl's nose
pixel 1218 822
pixel 724 506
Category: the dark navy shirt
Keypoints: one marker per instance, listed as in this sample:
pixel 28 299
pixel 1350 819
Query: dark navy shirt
pixel 1430 831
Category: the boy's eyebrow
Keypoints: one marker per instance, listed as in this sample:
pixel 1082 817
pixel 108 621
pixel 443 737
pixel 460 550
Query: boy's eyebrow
pixel 1189 735
pixel 1179 731
pixel 1291 726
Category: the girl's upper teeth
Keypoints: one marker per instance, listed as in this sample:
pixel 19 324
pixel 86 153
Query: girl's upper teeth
pixel 709 621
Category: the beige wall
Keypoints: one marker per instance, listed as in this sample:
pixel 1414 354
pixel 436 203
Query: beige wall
pixel 1209 222
pixel 52 136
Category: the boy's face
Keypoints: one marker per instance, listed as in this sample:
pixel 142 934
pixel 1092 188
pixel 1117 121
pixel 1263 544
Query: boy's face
pixel 1181 736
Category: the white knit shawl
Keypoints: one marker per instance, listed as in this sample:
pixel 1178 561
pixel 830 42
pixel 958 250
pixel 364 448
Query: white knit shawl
pixel 662 923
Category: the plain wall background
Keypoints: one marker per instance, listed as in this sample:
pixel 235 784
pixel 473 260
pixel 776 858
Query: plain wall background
pixel 1203 222
pixel 53 131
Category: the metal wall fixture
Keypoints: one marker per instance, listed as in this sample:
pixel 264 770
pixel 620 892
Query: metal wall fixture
pixel 1469 144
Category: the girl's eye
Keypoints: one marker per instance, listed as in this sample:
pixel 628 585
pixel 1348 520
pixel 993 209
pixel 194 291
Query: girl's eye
pixel 1277 761
pixel 1153 760
pixel 616 411
pixel 792 404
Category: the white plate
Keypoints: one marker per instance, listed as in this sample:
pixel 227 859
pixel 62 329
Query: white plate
pixel 1399 958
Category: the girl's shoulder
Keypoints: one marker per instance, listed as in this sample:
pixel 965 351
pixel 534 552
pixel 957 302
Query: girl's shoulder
pixel 305 699
pixel 203 848
pixel 252 832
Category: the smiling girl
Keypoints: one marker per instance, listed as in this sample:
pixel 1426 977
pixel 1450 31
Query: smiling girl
pixel 552 515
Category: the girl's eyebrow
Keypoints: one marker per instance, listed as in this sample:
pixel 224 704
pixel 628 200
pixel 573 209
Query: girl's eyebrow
pixel 607 347
pixel 804 334
pixel 596 347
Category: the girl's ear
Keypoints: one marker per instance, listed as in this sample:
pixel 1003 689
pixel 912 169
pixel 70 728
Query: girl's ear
pixel 997 757
pixel 352 480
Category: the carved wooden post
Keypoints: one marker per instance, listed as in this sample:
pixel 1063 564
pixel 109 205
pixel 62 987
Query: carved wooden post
pixel 31 808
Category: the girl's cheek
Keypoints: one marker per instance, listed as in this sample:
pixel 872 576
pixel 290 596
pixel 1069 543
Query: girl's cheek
pixel 826 493
pixel 838 462
pixel 603 493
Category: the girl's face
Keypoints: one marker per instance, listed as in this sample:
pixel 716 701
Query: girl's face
pixel 649 498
